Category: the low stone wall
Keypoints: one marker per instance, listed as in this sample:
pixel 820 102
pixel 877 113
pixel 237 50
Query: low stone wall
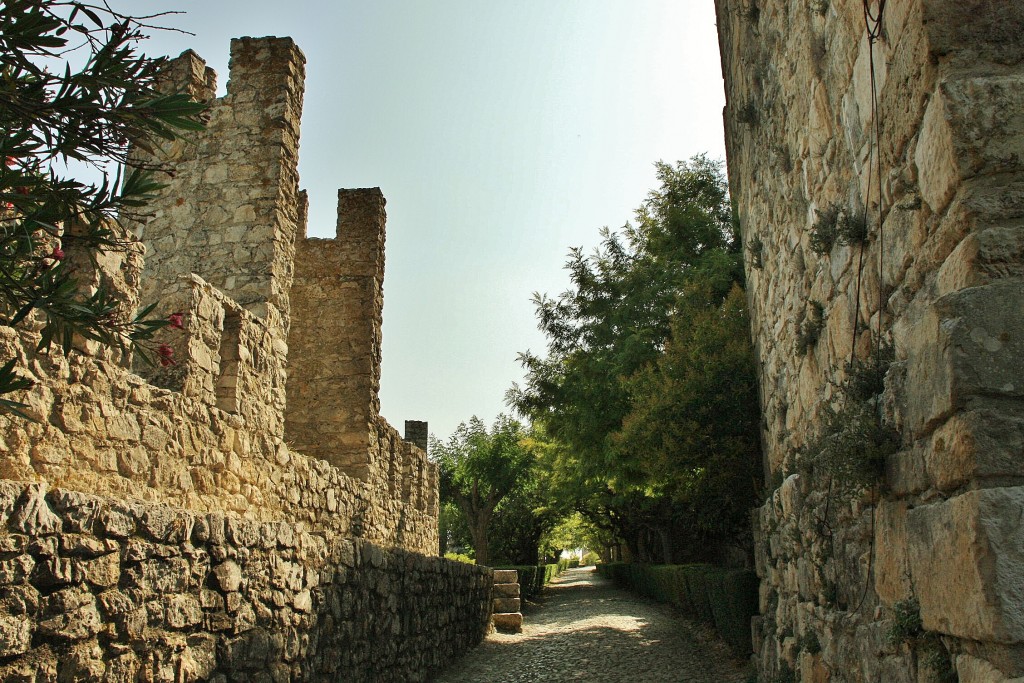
pixel 93 588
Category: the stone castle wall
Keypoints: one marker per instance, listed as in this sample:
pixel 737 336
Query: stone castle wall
pixel 102 589
pixel 938 535
pixel 215 437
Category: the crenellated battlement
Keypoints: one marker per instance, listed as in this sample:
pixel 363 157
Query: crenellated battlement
pixel 271 406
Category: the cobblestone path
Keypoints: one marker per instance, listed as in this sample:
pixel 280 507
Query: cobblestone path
pixel 589 630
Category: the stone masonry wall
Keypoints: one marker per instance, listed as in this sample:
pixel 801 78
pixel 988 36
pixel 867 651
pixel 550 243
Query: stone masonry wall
pixel 100 589
pixel 938 536
pixel 118 494
pixel 338 299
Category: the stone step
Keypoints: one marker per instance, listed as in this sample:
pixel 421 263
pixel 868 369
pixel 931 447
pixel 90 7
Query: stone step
pixel 506 576
pixel 506 605
pixel 506 590
pixel 508 622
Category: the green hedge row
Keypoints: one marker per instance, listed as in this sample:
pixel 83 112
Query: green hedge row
pixel 723 598
pixel 533 578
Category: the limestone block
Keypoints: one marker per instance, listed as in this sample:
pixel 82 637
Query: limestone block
pixel 15 634
pixel 32 514
pixel 986 123
pixel 936 158
pixel 981 446
pixel 981 257
pixel 892 571
pixel 968 345
pixel 973 670
pixel 183 611
pixel 506 605
pixel 228 575
pixel 969 30
pixel 512 622
pixel 102 571
pixel 967 564
pixel 506 590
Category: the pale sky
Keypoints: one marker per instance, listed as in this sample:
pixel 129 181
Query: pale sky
pixel 501 133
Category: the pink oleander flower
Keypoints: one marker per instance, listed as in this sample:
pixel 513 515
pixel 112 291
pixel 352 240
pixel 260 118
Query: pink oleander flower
pixel 177 320
pixel 166 354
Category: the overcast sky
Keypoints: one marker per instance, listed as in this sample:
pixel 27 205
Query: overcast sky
pixel 501 133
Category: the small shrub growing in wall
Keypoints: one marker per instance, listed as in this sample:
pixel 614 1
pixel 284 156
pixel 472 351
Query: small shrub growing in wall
pixel 908 629
pixel 906 622
pixel 809 642
pixel 852 227
pixel 749 114
pixel 809 332
pixel 785 674
pixel 824 231
pixel 855 443
pixel 755 250
pixel 835 225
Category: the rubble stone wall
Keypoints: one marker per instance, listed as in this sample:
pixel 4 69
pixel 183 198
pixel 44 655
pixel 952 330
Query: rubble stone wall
pixel 936 538
pixel 94 588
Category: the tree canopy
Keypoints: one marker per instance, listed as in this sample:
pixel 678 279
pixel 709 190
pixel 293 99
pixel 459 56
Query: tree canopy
pixel 648 383
pixel 479 468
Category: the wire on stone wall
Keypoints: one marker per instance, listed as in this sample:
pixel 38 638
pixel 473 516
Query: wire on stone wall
pixel 874 27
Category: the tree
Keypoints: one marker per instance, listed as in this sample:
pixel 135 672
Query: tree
pixel 74 89
pixel 478 469
pixel 614 340
pixel 695 421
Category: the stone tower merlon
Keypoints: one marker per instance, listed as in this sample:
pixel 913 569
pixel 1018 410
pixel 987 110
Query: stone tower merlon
pixel 416 433
pixel 335 339
pixel 229 210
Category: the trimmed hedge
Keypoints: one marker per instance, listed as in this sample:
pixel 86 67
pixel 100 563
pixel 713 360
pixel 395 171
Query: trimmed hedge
pixel 723 598
pixel 533 578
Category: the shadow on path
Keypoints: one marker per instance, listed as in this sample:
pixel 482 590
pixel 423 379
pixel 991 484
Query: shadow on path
pixel 586 629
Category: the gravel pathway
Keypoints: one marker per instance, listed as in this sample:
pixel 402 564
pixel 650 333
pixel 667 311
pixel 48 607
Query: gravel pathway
pixel 586 629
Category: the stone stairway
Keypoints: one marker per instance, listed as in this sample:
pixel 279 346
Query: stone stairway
pixel 507 616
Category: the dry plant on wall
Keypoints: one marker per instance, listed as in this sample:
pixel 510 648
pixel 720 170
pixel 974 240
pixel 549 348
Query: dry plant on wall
pixel 854 443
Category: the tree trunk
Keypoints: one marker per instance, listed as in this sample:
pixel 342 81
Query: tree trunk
pixel 478 531
pixel 666 545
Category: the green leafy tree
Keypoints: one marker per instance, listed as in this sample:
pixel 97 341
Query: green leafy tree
pixel 633 306
pixel 479 468
pixel 74 89
pixel 695 420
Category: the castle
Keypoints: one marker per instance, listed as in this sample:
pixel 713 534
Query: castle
pixel 247 509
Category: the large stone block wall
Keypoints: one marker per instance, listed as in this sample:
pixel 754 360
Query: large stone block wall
pixel 99 589
pixel 940 533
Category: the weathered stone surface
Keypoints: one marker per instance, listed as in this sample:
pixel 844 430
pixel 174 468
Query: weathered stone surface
pixel 161 609
pixel 967 563
pixel 506 605
pixel 943 190
pixel 506 590
pixel 509 622
pixel 506 576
